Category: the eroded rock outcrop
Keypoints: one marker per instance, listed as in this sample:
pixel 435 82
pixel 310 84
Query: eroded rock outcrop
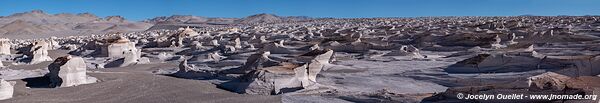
pixel 254 62
pixel 4 46
pixel 283 77
pixel 189 71
pixel 6 89
pixel 38 52
pixel 68 71
pixel 116 48
pixel 132 57
pixel 500 62
pixel 406 51
pixel 188 32
pixel 548 80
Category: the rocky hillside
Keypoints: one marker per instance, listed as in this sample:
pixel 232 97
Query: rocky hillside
pixel 38 24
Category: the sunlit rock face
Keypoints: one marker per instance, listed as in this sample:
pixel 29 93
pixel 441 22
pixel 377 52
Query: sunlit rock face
pixel 39 52
pixel 68 71
pixel 116 48
pixel 187 32
pixel 280 77
pixel 548 80
pixel 6 89
pixel 4 46
pixel 53 44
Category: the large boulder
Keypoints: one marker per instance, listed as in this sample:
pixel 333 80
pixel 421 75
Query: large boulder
pixel 548 80
pixel 68 71
pixel 254 62
pixel 271 80
pixel 317 60
pixel 189 71
pixel 283 77
pixel 131 57
pixel 116 48
pixel 39 52
pixel 53 44
pixel 187 32
pixel 6 89
pixel 4 46
pixel 237 43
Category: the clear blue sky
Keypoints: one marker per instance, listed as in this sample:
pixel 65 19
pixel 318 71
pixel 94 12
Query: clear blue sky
pixel 144 9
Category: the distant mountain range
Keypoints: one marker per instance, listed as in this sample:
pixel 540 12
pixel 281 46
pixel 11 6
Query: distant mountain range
pixel 38 24
pixel 258 18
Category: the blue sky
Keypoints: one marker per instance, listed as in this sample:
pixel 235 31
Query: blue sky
pixel 144 9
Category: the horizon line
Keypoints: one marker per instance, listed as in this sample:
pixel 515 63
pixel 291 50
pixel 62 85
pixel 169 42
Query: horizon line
pixel 314 17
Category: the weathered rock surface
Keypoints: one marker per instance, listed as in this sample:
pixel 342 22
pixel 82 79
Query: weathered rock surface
pixel 68 71
pixel 4 46
pixel 38 52
pixel 6 89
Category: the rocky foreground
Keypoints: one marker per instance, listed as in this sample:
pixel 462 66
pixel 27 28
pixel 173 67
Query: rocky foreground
pixel 317 60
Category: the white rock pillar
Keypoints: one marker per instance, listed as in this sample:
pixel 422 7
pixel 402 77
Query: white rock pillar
pixel 6 89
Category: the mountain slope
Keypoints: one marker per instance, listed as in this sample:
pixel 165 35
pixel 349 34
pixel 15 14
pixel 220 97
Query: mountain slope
pixel 38 24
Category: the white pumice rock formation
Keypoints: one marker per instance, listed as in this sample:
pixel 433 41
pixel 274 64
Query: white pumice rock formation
pixel 116 48
pixel 280 77
pixel 131 57
pixel 512 39
pixel 1 65
pixel 188 32
pixel 53 44
pixel 237 43
pixel 409 50
pixel 39 52
pixel 553 80
pixel 6 89
pixel 189 71
pixel 68 71
pixel 214 43
pixel 496 43
pixel 494 55
pixel 5 46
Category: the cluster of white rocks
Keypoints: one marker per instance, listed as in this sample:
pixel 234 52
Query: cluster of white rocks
pixel 282 58
pixel 265 76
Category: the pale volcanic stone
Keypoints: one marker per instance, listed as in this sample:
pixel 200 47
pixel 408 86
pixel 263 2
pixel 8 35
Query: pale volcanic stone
pixel 4 46
pixel 6 89
pixel 68 71
pixel 117 48
pixel 39 52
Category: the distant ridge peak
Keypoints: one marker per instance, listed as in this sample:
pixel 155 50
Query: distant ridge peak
pixel 37 12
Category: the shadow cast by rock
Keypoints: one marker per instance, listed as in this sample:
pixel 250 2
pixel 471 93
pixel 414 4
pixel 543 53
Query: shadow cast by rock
pixel 38 82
